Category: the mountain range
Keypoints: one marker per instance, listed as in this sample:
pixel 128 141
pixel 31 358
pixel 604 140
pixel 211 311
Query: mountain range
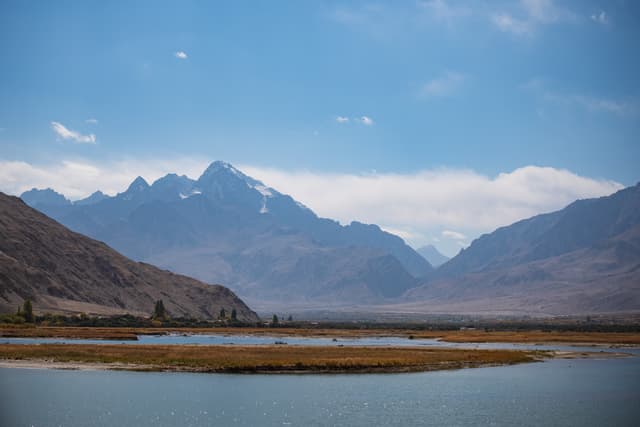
pixel 584 258
pixel 66 272
pixel 226 227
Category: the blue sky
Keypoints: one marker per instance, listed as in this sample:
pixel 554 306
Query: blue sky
pixel 333 87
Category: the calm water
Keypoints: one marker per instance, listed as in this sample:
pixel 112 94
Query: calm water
pixel 239 339
pixel 559 392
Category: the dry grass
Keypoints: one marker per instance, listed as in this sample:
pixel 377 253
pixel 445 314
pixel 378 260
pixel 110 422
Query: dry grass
pixel 451 336
pixel 479 336
pixel 69 332
pixel 265 359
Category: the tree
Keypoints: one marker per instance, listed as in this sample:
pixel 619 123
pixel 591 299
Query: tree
pixel 159 312
pixel 223 314
pixel 290 318
pixel 27 309
pixel 234 314
pixel 274 320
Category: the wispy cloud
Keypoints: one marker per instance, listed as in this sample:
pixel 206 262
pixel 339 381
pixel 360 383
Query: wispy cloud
pixel 600 18
pixel 587 102
pixel 342 119
pixel 397 19
pixel 66 133
pixel 507 23
pixel 546 11
pixel 528 15
pixel 445 85
pixel 180 55
pixel 91 121
pixel 621 108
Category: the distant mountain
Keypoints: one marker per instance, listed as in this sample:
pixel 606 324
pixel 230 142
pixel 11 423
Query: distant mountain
pixel 433 255
pixel 584 258
pixel 65 272
pixel 96 197
pixel 47 197
pixel 226 227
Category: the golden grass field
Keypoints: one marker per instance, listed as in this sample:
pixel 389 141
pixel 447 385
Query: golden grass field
pixel 263 359
pixel 471 336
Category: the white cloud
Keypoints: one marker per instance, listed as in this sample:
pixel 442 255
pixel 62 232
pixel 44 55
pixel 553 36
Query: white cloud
pixel 412 205
pixel 453 235
pixel 600 18
pixel 367 121
pixel 181 55
pixel 342 119
pixel 91 121
pixel 65 133
pixel 431 201
pixel 79 178
pixel 444 85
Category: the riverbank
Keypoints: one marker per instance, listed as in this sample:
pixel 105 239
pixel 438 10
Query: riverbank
pixel 456 336
pixel 256 359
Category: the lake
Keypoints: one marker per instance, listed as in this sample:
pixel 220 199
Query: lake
pixel 240 339
pixel 557 392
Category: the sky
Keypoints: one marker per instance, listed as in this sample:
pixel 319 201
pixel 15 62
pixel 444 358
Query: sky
pixel 439 120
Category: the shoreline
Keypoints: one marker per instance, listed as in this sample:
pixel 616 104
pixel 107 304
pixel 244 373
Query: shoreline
pixel 256 359
pixel 83 366
pixel 270 359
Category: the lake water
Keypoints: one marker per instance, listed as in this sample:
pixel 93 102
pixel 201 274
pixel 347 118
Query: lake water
pixel 557 392
pixel 239 339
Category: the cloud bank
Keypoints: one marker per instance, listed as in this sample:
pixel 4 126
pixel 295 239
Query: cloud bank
pixel 449 206
pixel 424 204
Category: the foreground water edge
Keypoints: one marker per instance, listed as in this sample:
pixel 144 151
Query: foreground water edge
pixel 556 392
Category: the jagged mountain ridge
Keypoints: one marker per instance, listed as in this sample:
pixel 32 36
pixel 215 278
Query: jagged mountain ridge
pixel 66 272
pixel 227 227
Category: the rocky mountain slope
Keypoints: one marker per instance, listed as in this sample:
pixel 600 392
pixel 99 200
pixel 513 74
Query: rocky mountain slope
pixel 584 258
pixel 66 272
pixel 226 227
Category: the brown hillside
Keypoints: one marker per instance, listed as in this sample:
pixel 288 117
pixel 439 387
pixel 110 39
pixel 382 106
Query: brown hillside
pixel 66 272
